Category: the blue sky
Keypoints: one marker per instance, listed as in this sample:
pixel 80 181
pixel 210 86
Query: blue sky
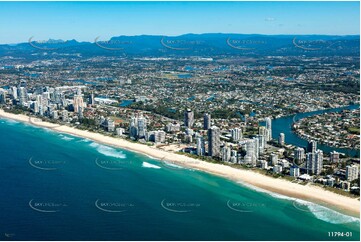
pixel 84 21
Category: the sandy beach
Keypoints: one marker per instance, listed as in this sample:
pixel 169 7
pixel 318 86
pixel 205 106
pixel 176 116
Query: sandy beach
pixel 347 205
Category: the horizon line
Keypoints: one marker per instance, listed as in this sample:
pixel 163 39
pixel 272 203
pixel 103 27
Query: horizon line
pixel 160 35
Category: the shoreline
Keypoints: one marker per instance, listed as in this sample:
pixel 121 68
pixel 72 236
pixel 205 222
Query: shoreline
pixel 311 193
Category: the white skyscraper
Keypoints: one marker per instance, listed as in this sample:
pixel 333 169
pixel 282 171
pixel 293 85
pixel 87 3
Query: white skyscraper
pixel 314 162
pixel 274 159
pixel 334 157
pixel 14 92
pixel 23 95
pixel 236 134
pixel 142 126
pixel 299 155
pixel 294 171
pixel 269 128
pixel 352 172
pixel 200 146
pixel 78 102
pixel 261 143
pixel 281 139
pixel 138 126
pixel 226 153
pixel 250 157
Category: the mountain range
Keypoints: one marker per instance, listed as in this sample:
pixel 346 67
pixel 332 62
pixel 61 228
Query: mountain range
pixel 202 45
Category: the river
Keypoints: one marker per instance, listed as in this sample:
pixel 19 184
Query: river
pixel 284 125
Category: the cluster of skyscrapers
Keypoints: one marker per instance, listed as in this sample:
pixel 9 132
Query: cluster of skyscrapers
pixel 138 126
pixel 46 101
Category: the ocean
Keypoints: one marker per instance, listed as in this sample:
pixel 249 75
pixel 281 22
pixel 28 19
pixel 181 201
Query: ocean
pixel 60 187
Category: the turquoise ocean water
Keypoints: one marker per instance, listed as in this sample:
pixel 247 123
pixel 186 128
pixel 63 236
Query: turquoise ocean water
pixel 60 187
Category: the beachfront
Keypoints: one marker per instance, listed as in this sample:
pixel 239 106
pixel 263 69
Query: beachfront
pixel 309 192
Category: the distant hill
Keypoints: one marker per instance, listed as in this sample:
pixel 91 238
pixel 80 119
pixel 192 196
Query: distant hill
pixel 203 45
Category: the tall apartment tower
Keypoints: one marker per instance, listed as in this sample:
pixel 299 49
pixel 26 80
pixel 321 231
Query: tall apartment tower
pixel 188 118
pixel 206 121
pixel 214 142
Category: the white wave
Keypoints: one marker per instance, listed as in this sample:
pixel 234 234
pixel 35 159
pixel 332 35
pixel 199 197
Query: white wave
pixel 148 165
pixel 173 165
pixel 108 151
pixel 84 140
pixel 11 122
pixel 65 137
pixel 320 212
pixel 327 214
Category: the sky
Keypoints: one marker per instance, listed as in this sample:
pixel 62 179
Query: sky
pixel 84 21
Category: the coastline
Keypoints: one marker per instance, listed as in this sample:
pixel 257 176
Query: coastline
pixel 312 193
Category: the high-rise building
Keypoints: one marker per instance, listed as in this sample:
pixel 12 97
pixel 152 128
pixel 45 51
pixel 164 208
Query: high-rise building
pixel 299 155
pixel 256 147
pixel 206 121
pixel 269 128
pixel 264 164
pixel 250 157
pixel 200 146
pixel 264 132
pixel 314 162
pixel 214 142
pixel 54 114
pixel 138 126
pixel 281 139
pixel 334 157
pixel 226 153
pixel 110 125
pixel 78 102
pixel 23 95
pixel 312 146
pixel 14 92
pixel 236 134
pixel 133 127
pixel 188 118
pixel 156 136
pixel 2 96
pixel 352 172
pixel 173 127
pixel 274 159
pixel 64 116
pixel 142 126
pixel 277 169
pixel 234 156
pixel 261 143
pixel 91 99
pixel 294 171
